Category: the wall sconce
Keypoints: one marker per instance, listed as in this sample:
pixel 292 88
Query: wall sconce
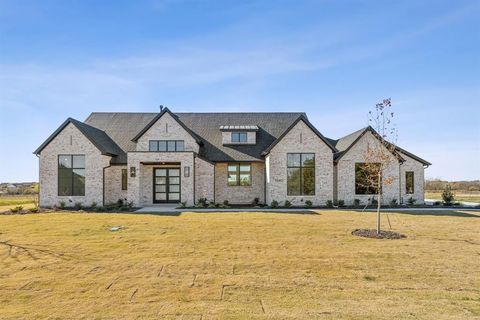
pixel 186 172
pixel 133 172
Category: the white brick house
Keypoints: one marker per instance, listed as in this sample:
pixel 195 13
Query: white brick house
pixel 149 158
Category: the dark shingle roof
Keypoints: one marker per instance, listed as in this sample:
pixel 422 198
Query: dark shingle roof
pixel 98 138
pixel 345 143
pixel 124 127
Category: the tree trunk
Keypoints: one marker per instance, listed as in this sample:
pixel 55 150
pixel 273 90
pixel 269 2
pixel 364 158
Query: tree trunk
pixel 379 202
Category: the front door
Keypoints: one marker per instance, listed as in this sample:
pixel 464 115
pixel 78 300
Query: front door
pixel 166 185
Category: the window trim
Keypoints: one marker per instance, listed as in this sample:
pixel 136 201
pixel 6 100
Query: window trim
pixel 157 143
pixel 239 134
pixel 72 168
pixel 406 182
pixel 301 167
pixel 124 179
pixel 238 173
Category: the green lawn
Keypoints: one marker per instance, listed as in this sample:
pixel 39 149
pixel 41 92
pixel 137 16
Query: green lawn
pixel 239 266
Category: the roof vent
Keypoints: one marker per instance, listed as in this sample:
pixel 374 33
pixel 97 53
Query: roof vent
pixel 161 107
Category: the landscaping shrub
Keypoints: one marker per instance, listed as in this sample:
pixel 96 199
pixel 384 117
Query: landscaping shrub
pixel 256 202
pixel 16 209
pixel 341 203
pixel 61 204
pixel 77 206
pixel 211 205
pixel 93 206
pixel 437 203
pixel 308 204
pixel 356 202
pixel 274 204
pixel 374 202
pixel 287 204
pixel 226 203
pixel 411 201
pixel 329 204
pixel 393 203
pixel 183 204
pixel 448 196
pixel 202 203
pixel 33 210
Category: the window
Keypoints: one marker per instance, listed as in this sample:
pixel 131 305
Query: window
pixel 365 178
pixel 166 145
pixel 409 182
pixel 124 179
pixel 71 175
pixel 239 174
pixel 300 174
pixel 239 137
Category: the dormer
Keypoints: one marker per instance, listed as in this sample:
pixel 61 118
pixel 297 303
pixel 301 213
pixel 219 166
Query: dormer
pixel 239 135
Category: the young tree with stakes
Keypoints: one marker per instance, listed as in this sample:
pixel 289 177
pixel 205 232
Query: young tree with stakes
pixel 379 154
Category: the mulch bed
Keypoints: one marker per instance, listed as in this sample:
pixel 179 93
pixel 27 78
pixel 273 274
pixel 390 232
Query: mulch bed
pixel 372 233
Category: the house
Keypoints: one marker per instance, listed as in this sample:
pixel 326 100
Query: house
pixel 167 157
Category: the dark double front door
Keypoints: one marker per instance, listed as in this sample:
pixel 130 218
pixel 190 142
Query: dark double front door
pixel 166 185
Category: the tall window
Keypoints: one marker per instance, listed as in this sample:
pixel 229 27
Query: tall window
pixel 239 137
pixel 366 178
pixel 166 145
pixel 124 179
pixel 301 174
pixel 239 174
pixel 409 182
pixel 71 175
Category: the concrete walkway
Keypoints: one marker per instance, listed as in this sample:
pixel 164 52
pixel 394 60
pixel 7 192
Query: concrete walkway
pixel 172 209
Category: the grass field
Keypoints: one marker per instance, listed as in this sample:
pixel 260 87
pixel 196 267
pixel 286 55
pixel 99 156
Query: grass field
pixel 459 196
pixel 239 266
pixel 8 202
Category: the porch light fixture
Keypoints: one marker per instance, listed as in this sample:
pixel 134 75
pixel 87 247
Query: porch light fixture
pixel 186 172
pixel 133 172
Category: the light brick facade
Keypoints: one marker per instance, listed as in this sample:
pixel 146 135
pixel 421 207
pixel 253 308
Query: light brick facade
pixel 240 194
pixel 346 173
pixel 71 141
pixel 300 139
pixel 202 178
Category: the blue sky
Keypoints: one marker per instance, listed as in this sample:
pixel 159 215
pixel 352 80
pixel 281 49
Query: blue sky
pixel 332 59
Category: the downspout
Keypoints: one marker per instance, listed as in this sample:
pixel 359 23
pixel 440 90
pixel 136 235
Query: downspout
pixel 265 182
pixel 400 183
pixel 214 179
pixel 103 197
pixel 39 187
pixel 194 179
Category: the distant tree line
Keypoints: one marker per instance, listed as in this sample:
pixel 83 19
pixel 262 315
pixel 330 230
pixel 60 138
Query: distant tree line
pixel 440 185
pixel 19 188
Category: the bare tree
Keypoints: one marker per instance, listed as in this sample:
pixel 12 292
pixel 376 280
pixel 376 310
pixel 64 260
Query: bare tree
pixel 371 174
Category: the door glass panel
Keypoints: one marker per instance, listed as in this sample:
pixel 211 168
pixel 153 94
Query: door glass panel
pixel 174 180
pixel 174 173
pixel 160 188
pixel 174 188
pixel 161 180
pixel 161 173
pixel 174 196
pixel 161 196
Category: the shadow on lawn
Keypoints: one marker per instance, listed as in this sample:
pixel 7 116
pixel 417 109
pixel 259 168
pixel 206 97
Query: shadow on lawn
pixel 440 213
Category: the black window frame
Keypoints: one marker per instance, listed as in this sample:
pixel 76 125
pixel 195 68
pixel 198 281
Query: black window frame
pixel 166 143
pixel 71 169
pixel 238 173
pixel 301 167
pixel 124 179
pixel 369 190
pixel 239 134
pixel 407 173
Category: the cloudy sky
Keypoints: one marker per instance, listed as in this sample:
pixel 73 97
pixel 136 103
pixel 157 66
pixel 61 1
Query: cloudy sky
pixel 331 59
